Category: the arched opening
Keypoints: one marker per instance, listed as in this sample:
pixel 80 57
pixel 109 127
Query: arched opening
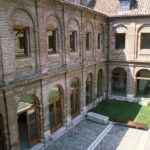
pixel 100 83
pixel 143 83
pixel 75 98
pixel 89 89
pixel 29 121
pixel 119 82
pixel 53 41
pixel 55 108
pixel 73 35
pixel 2 135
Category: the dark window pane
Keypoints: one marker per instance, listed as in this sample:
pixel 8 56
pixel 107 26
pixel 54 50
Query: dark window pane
pixel 98 41
pixel 52 42
pixel 145 41
pixel 87 41
pixel 73 38
pixel 120 41
pixel 22 42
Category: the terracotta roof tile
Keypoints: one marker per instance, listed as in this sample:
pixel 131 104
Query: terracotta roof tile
pixel 112 8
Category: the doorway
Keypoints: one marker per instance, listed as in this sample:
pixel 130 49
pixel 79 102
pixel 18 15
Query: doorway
pixel 55 108
pixel 2 137
pixel 23 132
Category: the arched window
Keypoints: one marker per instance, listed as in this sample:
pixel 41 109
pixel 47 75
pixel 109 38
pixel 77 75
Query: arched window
pixel 75 97
pixel 29 121
pixel 89 35
pixel 23 29
pixel 53 26
pixel 73 35
pixel 119 79
pixel 2 136
pixel 89 89
pixel 120 37
pixel 55 108
pixel 143 83
pixel 100 83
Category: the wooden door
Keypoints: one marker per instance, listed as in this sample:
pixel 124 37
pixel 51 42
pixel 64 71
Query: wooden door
pixel 55 111
pixel 75 102
pixel 32 124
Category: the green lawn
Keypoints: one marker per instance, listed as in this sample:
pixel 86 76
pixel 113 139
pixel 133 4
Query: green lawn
pixel 124 111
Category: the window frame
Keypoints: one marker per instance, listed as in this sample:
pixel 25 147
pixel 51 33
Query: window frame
pixel 73 41
pixel 26 35
pixel 100 40
pixel 88 38
pixel 53 33
pixel 116 41
pixel 142 47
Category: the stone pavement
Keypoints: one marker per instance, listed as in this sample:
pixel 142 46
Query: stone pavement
pixel 119 137
pixel 78 138
pixel 123 138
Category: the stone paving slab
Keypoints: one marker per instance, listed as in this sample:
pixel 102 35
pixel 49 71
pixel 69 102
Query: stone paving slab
pixel 123 138
pixel 78 138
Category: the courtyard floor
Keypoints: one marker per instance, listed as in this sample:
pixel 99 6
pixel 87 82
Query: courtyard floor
pixel 88 135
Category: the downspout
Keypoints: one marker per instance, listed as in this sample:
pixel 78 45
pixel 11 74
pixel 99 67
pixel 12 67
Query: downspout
pixel 107 59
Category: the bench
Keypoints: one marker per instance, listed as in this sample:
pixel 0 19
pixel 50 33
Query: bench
pixel 97 118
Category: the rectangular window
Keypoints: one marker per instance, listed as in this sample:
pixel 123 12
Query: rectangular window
pixel 145 41
pixel 88 41
pixel 73 39
pixel 99 40
pixel 22 42
pixel 120 41
pixel 52 42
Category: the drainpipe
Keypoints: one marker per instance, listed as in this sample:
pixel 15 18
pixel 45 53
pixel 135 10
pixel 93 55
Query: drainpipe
pixel 107 58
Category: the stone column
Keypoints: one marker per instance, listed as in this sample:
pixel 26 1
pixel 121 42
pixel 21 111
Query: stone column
pixel 12 120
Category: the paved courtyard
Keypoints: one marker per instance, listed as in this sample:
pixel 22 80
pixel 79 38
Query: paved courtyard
pixel 78 138
pixel 85 134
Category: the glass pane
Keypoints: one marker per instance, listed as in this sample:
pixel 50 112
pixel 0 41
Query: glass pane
pixel 143 88
pixel 145 41
pixel 120 40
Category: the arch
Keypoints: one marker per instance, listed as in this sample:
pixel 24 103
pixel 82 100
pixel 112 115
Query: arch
pixel 143 83
pixel 53 21
pixel 89 26
pixel 143 37
pixel 143 26
pixel 119 82
pixel 75 97
pixel 100 83
pixel 73 33
pixel 89 89
pixel 74 22
pixel 29 120
pixel 120 28
pixel 89 34
pixel 2 135
pixel 21 13
pixel 56 98
pixel 54 30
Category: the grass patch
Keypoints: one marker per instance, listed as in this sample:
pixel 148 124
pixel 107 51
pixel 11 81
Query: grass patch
pixel 124 111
